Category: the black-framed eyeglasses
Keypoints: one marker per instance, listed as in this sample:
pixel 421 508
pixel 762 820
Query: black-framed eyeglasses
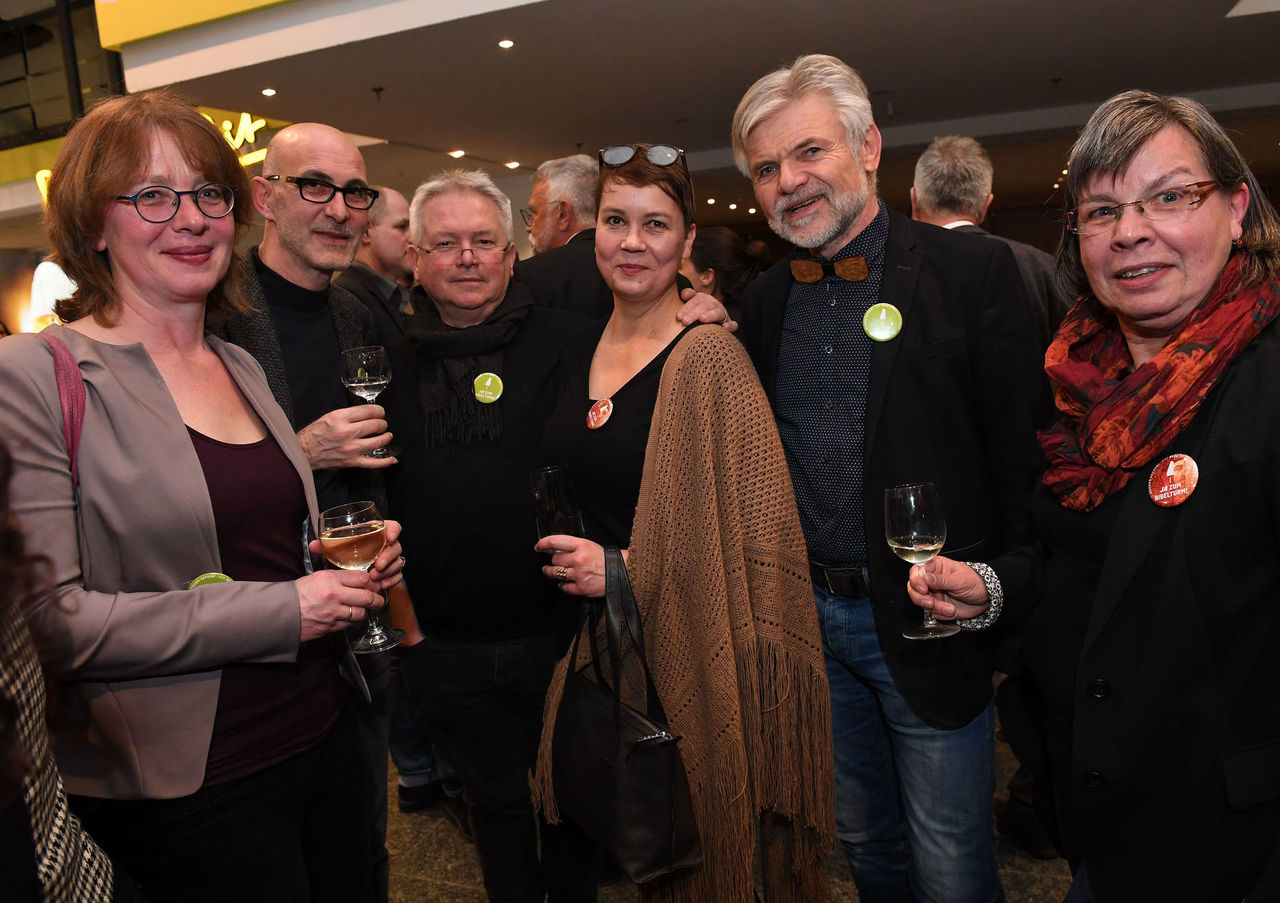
pixel 1096 217
pixel 486 250
pixel 657 154
pixel 528 213
pixel 318 191
pixel 159 203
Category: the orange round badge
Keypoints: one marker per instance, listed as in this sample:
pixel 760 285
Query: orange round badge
pixel 599 413
pixel 1173 480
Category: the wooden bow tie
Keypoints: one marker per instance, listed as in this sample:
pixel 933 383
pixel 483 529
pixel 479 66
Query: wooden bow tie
pixel 850 269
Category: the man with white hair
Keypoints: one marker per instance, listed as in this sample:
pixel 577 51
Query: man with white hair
pixel 561 222
pixel 952 189
pixel 892 353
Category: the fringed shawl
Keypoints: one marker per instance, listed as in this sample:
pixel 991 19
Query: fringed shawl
pixel 720 573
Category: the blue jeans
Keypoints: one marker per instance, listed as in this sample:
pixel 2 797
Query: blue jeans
pixel 913 803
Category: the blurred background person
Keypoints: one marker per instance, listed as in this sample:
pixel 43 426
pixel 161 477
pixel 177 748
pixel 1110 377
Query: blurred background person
pixel 202 725
pixel 718 265
pixel 1148 609
pixel 676 459
pixel 952 189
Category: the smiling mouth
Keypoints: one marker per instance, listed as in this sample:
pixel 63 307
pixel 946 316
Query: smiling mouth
pixel 1137 273
pixel 800 207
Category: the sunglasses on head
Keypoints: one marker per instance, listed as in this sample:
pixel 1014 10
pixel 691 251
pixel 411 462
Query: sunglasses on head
pixel 657 154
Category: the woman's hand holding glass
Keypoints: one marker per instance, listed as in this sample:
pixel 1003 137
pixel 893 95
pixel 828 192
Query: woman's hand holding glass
pixel 582 562
pixel 331 600
pixel 947 588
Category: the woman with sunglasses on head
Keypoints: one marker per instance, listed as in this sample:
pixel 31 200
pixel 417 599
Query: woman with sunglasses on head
pixel 202 724
pixel 1149 613
pixel 677 461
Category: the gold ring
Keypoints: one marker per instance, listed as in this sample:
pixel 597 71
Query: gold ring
pixel 562 574
pixel 351 614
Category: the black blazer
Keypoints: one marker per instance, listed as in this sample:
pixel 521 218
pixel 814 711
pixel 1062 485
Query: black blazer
pixel 1037 267
pixel 370 288
pixel 1168 785
pixel 952 399
pixel 567 278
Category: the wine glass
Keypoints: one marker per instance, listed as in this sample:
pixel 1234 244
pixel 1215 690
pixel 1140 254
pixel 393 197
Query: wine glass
pixel 366 371
pixel 555 505
pixel 915 529
pixel 351 537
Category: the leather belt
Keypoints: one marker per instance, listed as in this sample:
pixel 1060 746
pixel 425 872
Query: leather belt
pixel 851 582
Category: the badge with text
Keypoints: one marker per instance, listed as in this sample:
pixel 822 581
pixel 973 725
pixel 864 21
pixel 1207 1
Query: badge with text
pixel 599 413
pixel 488 387
pixel 882 322
pixel 1173 480
pixel 206 579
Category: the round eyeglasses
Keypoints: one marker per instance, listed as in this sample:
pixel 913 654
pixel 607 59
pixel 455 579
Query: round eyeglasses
pixel 657 154
pixel 159 203
pixel 446 253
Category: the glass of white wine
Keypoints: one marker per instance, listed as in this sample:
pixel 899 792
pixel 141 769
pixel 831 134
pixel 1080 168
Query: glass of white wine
pixel 366 372
pixel 916 530
pixel 351 537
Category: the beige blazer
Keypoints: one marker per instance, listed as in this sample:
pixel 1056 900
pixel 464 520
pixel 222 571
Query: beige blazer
pixel 140 654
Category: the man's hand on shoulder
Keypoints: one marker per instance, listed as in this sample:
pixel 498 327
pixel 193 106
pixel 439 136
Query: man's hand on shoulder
pixel 342 438
pixel 699 307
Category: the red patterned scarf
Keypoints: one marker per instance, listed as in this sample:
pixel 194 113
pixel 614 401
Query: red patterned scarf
pixel 1115 418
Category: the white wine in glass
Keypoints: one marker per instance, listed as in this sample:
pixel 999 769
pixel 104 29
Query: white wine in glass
pixel 915 529
pixel 351 537
pixel 366 371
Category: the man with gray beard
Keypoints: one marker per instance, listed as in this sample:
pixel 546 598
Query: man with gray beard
pixel 892 352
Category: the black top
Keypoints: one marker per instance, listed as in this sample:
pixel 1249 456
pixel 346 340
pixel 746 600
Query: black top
pixel 312 363
pixel 606 463
pixel 467 509
pixel 266 712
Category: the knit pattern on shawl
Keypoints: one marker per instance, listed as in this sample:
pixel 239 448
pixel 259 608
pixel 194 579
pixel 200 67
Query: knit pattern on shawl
pixel 720 572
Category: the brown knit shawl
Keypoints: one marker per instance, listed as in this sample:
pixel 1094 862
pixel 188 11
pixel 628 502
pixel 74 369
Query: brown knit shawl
pixel 720 573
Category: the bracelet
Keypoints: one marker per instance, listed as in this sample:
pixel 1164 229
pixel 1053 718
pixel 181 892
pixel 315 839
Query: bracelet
pixel 995 597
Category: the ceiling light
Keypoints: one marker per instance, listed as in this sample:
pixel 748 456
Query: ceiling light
pixel 268 92
pixel 514 164
pixel 506 43
pixel 1055 184
pixel 733 206
pixel 751 209
pixel 711 200
pixel 1064 172
pixel 457 153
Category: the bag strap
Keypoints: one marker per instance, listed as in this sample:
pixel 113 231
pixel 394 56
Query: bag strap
pixel 71 396
pixel 620 609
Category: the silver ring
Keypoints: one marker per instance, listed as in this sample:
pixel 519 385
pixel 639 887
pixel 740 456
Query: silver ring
pixel 351 614
pixel 402 560
pixel 562 574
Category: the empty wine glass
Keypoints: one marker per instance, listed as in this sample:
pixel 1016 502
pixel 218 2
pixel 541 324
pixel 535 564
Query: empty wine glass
pixel 351 537
pixel 555 505
pixel 366 371
pixel 916 529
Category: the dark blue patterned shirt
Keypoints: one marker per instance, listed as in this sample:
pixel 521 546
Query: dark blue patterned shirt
pixel 824 366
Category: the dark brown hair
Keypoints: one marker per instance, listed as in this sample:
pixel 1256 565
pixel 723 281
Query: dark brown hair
pixel 103 154
pixel 1110 140
pixel 639 171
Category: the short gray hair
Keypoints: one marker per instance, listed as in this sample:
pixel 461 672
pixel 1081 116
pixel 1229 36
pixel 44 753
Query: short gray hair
pixel 448 181
pixel 379 208
pixel 1114 135
pixel 953 175
pixel 815 73
pixel 572 179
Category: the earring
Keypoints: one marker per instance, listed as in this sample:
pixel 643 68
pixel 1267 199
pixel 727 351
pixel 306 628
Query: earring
pixel 1238 243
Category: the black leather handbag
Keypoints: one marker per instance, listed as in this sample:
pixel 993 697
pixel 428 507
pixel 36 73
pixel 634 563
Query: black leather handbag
pixel 617 771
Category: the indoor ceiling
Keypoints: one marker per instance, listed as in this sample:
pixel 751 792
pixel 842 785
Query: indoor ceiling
pixel 1021 75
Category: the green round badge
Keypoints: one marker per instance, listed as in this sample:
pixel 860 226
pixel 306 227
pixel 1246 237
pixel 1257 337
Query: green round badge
pixel 206 579
pixel 882 322
pixel 488 388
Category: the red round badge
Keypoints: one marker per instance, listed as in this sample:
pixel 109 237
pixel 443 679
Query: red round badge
pixel 1173 480
pixel 598 416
